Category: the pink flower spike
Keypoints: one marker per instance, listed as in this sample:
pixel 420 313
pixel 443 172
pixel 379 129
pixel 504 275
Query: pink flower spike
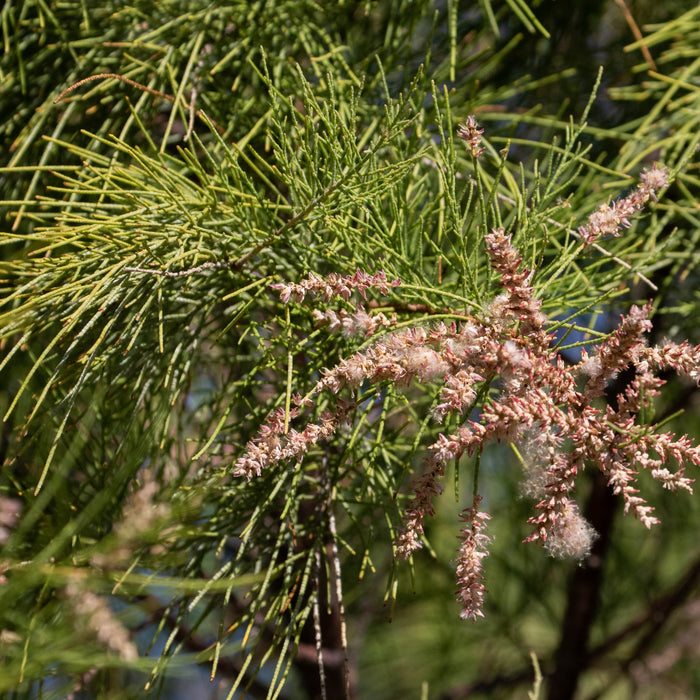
pixel 608 219
pixel 470 133
pixel 655 179
pixel 335 286
pixel 473 549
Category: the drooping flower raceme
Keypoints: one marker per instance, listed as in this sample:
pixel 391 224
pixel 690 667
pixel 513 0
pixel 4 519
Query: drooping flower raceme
pixel 473 548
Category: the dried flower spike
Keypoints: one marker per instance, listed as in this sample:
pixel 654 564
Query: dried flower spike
pixel 470 133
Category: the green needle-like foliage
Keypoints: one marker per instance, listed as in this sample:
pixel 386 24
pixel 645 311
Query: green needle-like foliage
pixel 151 215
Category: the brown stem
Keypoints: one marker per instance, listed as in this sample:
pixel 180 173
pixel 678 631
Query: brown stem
pixel 572 658
pixel 333 684
pixel 322 653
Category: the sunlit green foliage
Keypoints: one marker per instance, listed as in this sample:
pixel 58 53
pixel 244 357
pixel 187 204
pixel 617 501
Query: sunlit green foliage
pixel 142 346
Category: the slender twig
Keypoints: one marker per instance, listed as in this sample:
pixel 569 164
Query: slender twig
pixel 143 88
pixel 637 33
pixel 317 628
pixel 231 666
pixel 190 124
pixel 339 596
pixel 115 76
pixel 184 273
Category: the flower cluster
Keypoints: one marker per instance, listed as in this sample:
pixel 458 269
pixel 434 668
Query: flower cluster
pixel 93 613
pixel 549 408
pixel 472 550
pixel 519 302
pixel 611 217
pixel 273 444
pixel 358 322
pixel 470 133
pixel 335 286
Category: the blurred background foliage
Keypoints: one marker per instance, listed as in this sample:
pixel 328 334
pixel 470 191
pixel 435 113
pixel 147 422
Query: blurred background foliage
pixel 228 146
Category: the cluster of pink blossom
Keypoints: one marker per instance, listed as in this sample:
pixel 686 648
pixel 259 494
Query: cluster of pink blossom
pixel 541 407
pixel 472 550
pixel 359 322
pixel 273 444
pixel 611 217
pixel 470 133
pixel 519 301
pixel 335 286
pixel 546 407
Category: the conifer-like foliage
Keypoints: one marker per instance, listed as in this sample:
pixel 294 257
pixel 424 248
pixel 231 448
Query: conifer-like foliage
pixel 293 292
